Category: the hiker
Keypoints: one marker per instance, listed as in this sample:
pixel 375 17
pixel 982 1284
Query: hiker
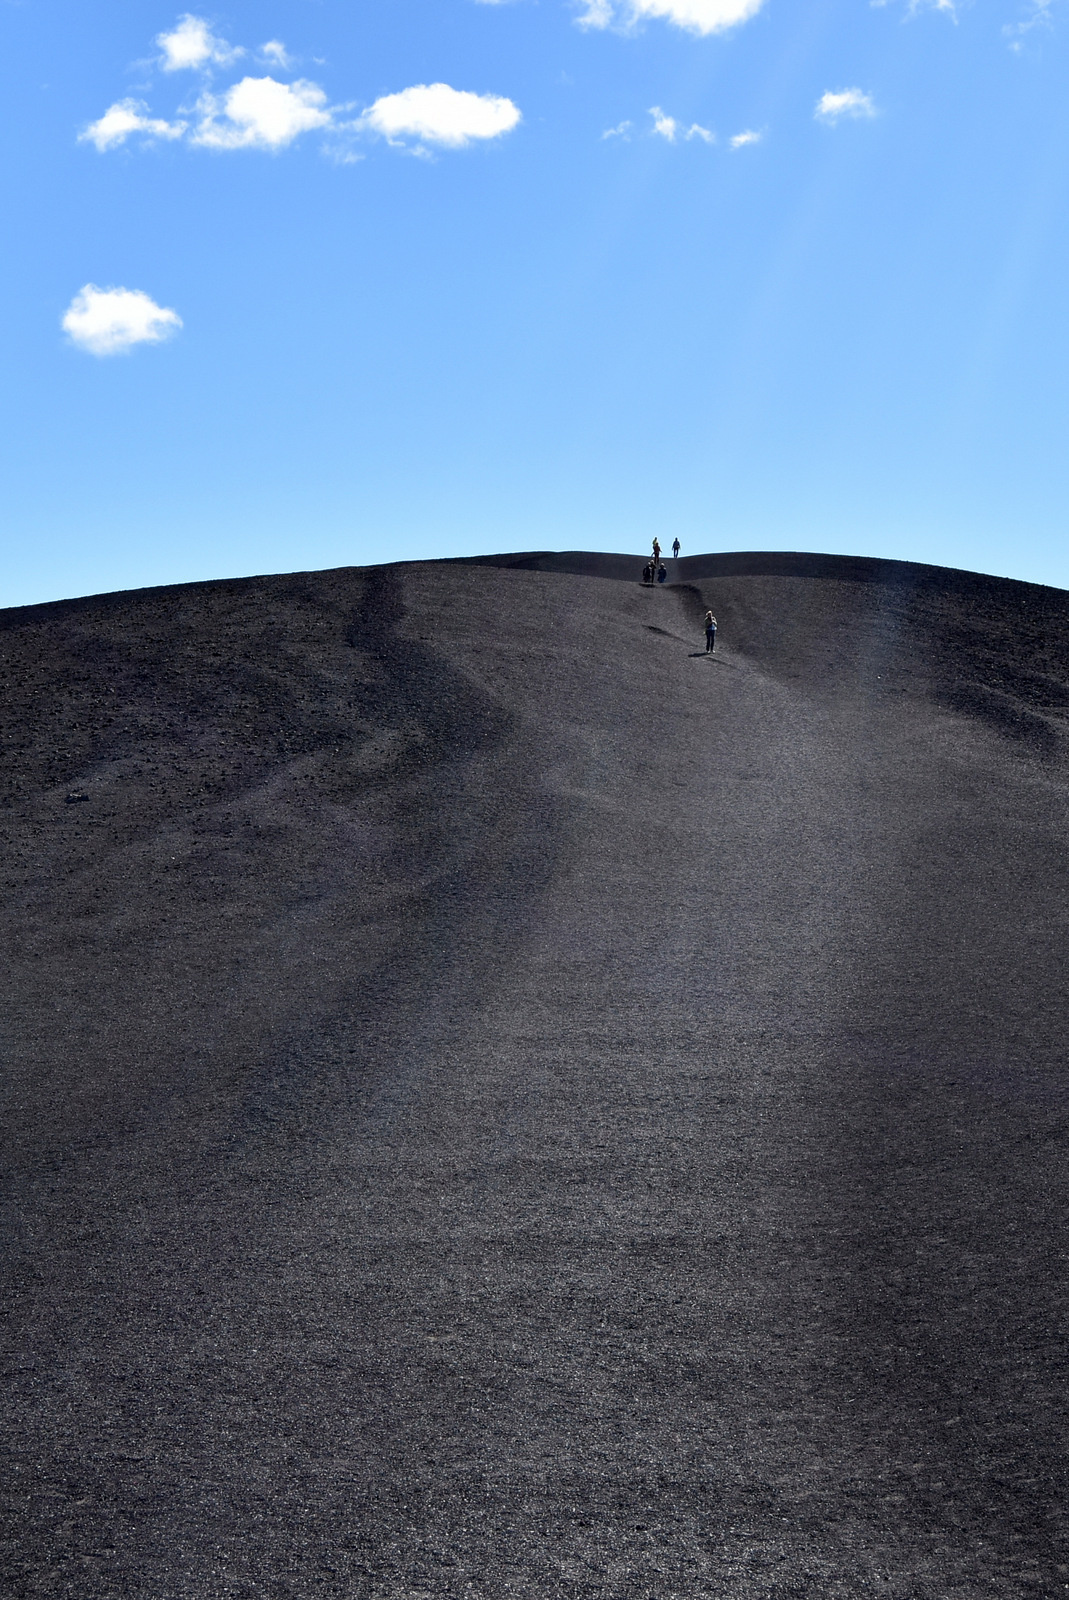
pixel 647 573
pixel 710 632
pixel 675 549
pixel 656 551
pixel 662 573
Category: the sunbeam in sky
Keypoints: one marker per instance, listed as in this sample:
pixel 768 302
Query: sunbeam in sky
pixel 438 279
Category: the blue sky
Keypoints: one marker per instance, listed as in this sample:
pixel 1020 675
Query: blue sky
pixel 371 319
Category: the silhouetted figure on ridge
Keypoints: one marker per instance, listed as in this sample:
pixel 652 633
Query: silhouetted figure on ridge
pixel 656 552
pixel 675 549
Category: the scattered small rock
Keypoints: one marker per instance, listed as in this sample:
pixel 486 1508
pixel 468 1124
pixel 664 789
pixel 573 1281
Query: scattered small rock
pixel 74 798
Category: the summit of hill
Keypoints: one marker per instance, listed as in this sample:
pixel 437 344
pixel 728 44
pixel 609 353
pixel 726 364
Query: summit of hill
pixel 500 1101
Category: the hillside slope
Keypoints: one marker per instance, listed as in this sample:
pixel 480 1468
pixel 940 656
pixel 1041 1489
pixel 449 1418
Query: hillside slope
pixel 497 1102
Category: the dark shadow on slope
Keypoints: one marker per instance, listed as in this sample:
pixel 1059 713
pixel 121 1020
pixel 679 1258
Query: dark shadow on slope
pixel 413 691
pixel 450 793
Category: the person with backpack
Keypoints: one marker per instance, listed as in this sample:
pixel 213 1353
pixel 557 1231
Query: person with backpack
pixel 662 573
pixel 656 552
pixel 675 549
pixel 710 633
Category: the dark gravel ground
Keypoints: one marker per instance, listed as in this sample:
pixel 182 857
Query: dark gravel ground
pixel 497 1103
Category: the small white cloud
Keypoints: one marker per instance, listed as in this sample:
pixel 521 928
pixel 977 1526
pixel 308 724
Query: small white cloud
pixel 124 118
pixel 341 152
pixel 948 7
pixel 696 16
pixel 440 115
pixel 666 127
pixel 192 45
pixel 844 103
pixel 1039 16
pixel 108 321
pixel 260 114
pixel 275 52
pixel 622 130
pixel 747 136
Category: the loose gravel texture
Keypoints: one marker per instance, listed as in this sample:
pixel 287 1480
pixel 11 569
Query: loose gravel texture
pixel 499 1103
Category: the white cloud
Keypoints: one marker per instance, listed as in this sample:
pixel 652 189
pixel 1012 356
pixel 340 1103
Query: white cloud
pixel 108 321
pixel 747 136
pixel 844 103
pixel 261 114
pixel 1039 16
pixel 622 130
pixel 697 16
pixel 192 44
pixel 124 118
pixel 264 113
pixel 440 115
pixel 949 7
pixel 275 52
pixel 667 127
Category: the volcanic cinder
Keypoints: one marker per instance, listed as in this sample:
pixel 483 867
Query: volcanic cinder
pixel 499 1103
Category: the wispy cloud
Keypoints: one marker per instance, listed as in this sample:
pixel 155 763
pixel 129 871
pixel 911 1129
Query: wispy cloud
pixel 260 114
pixel 1039 15
pixel 276 53
pixel 696 16
pixel 739 141
pixel 666 127
pixel 438 114
pixel 839 103
pixel 124 118
pixel 191 45
pixel 622 130
pixel 596 14
pixel 107 322
pixel 949 8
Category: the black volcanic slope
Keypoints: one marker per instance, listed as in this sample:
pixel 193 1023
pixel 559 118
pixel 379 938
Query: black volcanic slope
pixel 498 1104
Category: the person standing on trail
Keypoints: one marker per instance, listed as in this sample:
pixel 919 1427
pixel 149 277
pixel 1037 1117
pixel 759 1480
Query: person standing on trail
pixel 710 633
pixel 675 549
pixel 656 553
